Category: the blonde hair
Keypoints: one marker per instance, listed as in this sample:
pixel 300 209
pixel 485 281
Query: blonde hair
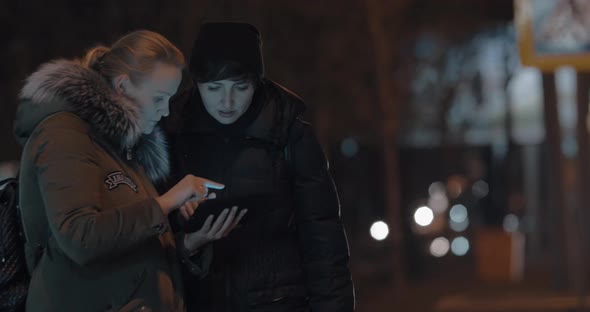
pixel 135 54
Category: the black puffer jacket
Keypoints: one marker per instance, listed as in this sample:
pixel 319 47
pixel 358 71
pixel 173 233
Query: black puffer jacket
pixel 294 257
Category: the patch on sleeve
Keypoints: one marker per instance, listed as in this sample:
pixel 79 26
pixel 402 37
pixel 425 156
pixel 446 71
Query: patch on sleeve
pixel 117 178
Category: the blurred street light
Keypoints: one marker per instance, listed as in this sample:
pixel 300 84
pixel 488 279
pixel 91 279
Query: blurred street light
pixel 423 216
pixel 379 230
pixel 439 247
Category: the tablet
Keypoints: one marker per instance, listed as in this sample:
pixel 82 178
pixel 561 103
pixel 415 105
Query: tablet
pixel 255 204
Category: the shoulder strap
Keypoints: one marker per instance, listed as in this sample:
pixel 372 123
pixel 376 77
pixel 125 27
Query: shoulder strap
pixel 7 180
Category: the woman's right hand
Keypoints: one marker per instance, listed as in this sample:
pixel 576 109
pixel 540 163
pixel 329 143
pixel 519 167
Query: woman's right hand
pixel 189 188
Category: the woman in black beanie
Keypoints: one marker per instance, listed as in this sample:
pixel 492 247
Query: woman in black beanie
pixel 292 254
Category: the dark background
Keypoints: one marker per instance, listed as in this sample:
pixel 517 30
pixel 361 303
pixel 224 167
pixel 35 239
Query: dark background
pixel 381 79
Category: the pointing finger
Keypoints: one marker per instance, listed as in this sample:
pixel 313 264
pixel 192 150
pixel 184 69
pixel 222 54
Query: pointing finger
pixel 213 185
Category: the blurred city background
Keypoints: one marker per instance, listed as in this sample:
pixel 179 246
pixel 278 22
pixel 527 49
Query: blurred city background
pixel 462 167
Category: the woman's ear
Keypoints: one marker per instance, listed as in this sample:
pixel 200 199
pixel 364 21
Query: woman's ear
pixel 120 83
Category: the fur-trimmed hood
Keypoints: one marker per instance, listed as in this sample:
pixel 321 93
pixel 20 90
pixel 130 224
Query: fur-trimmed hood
pixel 67 85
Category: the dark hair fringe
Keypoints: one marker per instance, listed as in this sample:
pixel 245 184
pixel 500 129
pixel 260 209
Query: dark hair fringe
pixel 221 70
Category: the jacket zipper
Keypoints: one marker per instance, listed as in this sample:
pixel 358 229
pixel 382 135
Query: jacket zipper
pixel 229 305
pixel 228 293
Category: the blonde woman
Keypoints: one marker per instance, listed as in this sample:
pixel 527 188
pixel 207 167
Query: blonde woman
pixel 97 233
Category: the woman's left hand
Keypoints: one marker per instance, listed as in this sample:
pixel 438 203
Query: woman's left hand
pixel 212 231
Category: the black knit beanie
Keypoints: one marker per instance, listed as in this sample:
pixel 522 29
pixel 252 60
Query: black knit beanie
pixel 227 41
